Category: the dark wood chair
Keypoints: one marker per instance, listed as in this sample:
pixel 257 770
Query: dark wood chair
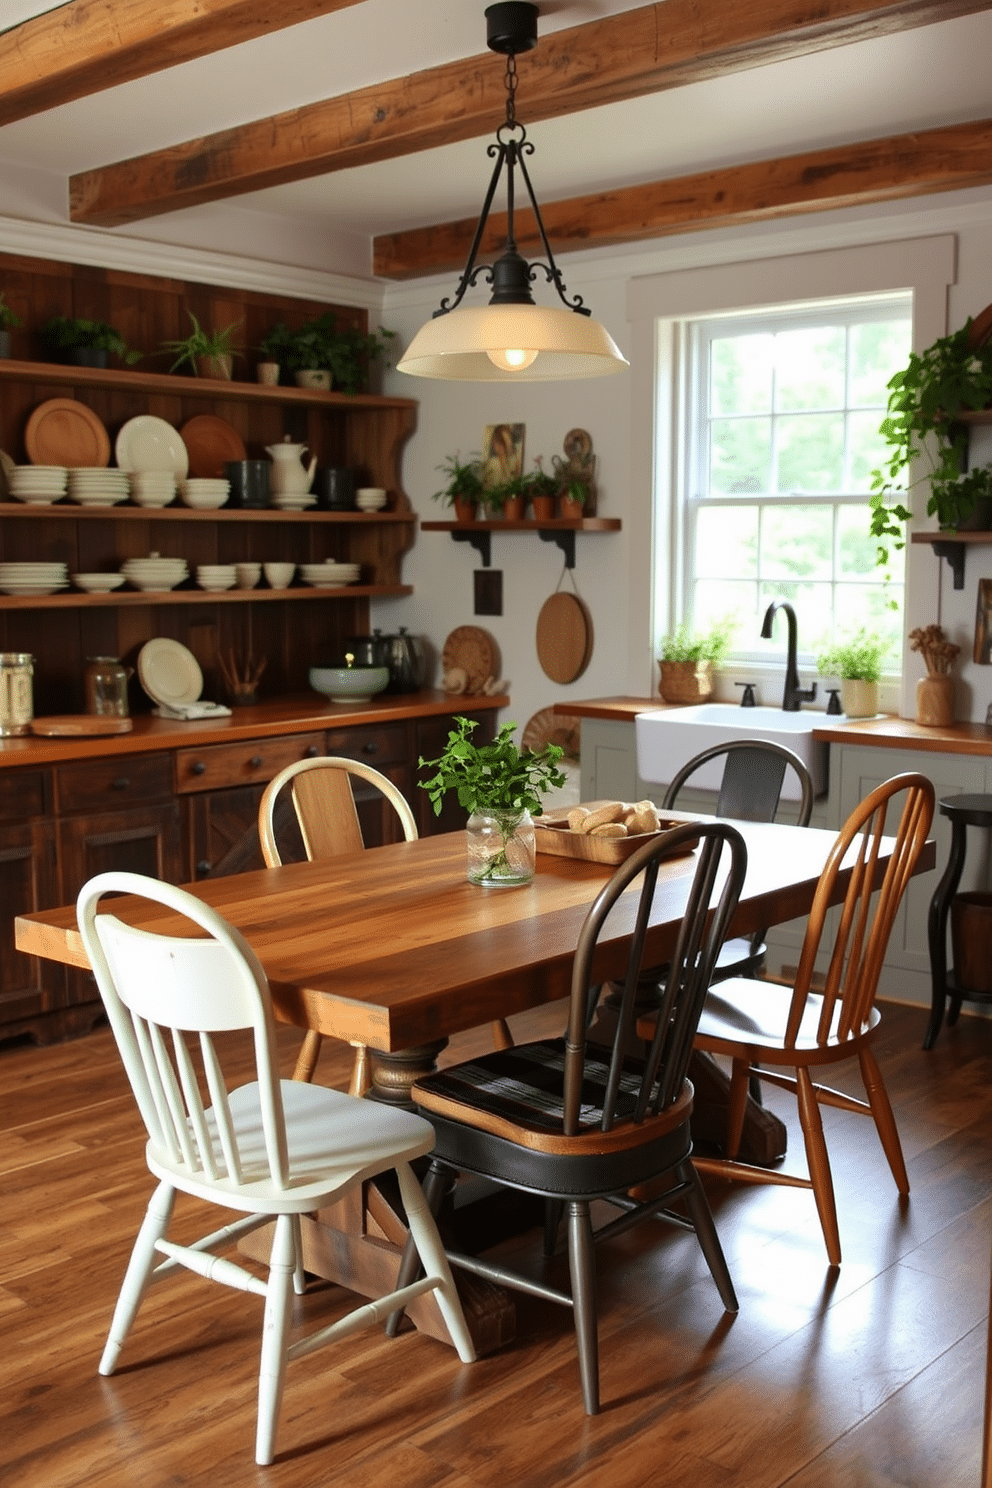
pixel 573 1121
pixel 762 1027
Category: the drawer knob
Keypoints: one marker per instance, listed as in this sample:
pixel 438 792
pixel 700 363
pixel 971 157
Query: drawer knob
pixel 121 783
pixel 255 761
pixel 370 748
pixel 311 752
pixel 198 768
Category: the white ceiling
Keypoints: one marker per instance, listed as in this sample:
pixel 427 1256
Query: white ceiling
pixel 918 79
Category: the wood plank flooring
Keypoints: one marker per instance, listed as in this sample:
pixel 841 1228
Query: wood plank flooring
pixel 869 1378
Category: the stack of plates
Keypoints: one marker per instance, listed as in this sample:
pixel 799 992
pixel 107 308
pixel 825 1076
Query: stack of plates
pixel 152 487
pixel 204 492
pixel 97 486
pixel 330 575
pixel 33 578
pixel 155 574
pixel 294 500
pixel 216 576
pixel 38 485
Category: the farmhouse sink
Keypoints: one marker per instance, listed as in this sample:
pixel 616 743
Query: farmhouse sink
pixel 669 737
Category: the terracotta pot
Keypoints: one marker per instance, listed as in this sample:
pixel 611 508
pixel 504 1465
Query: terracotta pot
pixel 317 379
pixel 858 698
pixel 686 681
pixel 935 701
pixel 219 367
pixel 544 508
pixel 513 509
pixel 571 509
pixel 464 509
pixel 267 373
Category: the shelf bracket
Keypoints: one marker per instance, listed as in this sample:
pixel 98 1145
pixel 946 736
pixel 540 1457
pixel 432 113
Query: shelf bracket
pixel 481 542
pixel 954 553
pixel 565 539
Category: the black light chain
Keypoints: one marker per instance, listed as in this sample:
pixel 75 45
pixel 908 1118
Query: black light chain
pixel 511 89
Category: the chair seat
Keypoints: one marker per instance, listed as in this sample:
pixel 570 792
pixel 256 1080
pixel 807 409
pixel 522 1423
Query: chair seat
pixel 756 1014
pixel 333 1140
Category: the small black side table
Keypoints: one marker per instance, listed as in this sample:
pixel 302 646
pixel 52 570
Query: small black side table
pixel 962 812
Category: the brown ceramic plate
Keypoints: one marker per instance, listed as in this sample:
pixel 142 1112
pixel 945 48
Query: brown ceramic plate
pixel 211 442
pixel 65 432
pixel 75 725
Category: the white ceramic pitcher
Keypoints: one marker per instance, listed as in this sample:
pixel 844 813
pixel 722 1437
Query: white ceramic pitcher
pixel 287 476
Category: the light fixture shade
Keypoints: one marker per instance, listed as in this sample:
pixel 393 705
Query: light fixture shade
pixel 456 346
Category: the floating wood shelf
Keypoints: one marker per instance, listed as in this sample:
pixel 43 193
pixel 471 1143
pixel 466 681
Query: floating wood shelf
pixel 77 599
pixel 954 545
pixel 558 530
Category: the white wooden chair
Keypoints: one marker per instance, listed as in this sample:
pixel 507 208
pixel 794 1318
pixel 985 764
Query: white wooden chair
pixel 271 1149
pixel 322 797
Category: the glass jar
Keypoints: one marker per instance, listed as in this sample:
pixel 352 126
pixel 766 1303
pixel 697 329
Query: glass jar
pixel 502 848
pixel 16 697
pixel 105 682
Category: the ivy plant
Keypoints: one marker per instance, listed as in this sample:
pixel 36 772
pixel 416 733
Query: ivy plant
pixel 491 777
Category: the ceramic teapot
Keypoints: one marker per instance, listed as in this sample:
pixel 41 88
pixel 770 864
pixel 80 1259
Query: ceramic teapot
pixel 287 476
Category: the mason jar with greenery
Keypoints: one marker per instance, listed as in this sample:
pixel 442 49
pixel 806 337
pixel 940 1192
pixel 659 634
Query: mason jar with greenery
pixel 687 659
pixel 499 785
pixel 856 661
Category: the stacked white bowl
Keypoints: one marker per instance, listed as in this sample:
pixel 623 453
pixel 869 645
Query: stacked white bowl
pixel 97 583
pixel 152 487
pixel 216 576
pixel 294 500
pixel 329 575
pixel 33 578
pixel 38 485
pixel 97 486
pixel 370 498
pixel 154 574
pixel 199 491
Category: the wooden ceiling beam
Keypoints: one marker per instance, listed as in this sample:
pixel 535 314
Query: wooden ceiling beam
pixel 658 46
pixel 89 45
pixel 902 165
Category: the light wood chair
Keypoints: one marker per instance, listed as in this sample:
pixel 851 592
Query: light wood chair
pixel 762 1027
pixel 272 1149
pixel 324 802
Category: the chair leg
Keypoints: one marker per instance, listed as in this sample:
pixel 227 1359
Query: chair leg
pixel 361 1071
pixel 424 1233
pixel 275 1332
pixel 306 1060
pixel 819 1164
pixel 885 1121
pixel 502 1037
pixel 299 1275
pixel 738 1105
pixel 709 1241
pixel 582 1268
pixel 435 1185
pixel 138 1273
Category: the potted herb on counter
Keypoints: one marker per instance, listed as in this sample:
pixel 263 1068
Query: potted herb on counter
pixel 687 660
pixel 86 343
pixel 8 322
pixel 499 785
pixel 857 662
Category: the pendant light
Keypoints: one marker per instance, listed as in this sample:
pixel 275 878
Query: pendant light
pixel 511 339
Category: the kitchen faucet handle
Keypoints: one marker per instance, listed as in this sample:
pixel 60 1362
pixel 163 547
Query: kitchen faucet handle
pixel 748 699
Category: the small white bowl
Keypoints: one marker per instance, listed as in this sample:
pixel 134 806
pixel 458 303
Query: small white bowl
pixel 279 575
pixel 349 684
pixel 204 500
pixel 98 583
pixel 247 574
pixel 370 498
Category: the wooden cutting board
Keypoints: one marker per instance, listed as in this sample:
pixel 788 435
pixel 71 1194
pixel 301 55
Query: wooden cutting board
pixel 65 432
pixel 211 442
pixel 564 637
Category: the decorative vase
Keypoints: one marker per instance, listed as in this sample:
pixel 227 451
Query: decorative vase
pixel 572 510
pixel 501 847
pixel 220 368
pixel 858 698
pixel 686 681
pixel 935 701
pixel 544 508
pixel 513 509
pixel 317 379
pixel 464 509
pixel 268 373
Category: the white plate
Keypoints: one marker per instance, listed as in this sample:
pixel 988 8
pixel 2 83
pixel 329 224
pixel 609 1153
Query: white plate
pixel 169 673
pixel 11 586
pixel 149 443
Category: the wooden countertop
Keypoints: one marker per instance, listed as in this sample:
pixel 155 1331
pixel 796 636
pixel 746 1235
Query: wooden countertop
pixel 288 715
pixel 887 732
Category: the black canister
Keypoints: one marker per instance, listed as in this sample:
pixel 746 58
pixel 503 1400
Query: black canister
pixel 369 651
pixel 249 482
pixel 335 488
pixel 404 661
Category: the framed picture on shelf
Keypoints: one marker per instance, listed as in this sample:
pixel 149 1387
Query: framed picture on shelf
pixel 502 453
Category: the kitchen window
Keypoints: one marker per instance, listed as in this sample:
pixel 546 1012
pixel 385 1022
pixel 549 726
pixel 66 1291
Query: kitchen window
pixel 781 409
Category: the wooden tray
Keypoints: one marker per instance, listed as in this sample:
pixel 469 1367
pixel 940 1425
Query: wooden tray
pixel 77 725
pixel 554 836
pixel 65 432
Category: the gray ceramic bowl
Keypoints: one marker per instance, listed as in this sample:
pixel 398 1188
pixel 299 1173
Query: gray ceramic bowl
pixel 349 684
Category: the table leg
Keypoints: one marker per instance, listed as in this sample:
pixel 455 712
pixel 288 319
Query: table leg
pixel 940 907
pixel 393 1074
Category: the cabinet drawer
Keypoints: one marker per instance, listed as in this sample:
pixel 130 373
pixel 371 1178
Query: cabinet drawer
pixel 99 785
pixel 253 760
pixel 22 794
pixel 384 744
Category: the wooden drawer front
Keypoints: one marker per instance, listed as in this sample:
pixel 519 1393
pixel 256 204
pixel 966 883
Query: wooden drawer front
pixel 102 785
pixel 222 765
pixel 377 746
pixel 22 794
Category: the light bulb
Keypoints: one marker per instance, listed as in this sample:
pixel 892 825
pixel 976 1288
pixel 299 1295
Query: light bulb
pixel 512 359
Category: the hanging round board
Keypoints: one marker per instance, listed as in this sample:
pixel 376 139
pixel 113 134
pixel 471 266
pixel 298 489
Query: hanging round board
pixel 564 637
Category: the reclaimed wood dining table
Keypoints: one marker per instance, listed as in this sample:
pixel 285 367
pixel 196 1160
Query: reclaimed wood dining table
pixel 393 948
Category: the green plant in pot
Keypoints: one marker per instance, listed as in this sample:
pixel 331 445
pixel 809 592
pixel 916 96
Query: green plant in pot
pixel 499 785
pixel 573 489
pixel 320 353
pixel 272 350
pixel 86 343
pixel 542 488
pixel 207 353
pixel 508 499
pixel 8 322
pixel 463 488
pixel 856 660
pixel 954 373
pixel 687 658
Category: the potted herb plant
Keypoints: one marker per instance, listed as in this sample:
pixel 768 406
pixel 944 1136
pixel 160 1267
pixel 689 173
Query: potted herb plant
pixel 499 785
pixel 573 491
pixel 857 661
pixel 272 354
pixel 542 489
pixel 320 355
pixel 86 343
pixel 954 373
pixel 8 322
pixel 508 499
pixel 208 353
pixel 687 660
pixel 463 488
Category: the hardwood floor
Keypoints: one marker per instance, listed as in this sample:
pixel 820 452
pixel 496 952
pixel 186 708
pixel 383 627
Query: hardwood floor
pixel 868 1378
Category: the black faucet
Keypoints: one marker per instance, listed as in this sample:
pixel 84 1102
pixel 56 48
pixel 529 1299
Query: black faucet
pixel 793 694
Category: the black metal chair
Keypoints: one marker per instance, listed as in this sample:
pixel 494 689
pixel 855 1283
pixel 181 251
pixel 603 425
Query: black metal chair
pixel 573 1121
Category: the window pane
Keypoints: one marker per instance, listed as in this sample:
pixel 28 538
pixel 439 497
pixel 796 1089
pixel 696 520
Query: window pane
pixel 811 452
pixel 810 368
pixel 856 548
pixel 726 542
pixel 740 455
pixel 796 542
pixel 741 374
pixel 811 603
pixel 863 604
pixel 866 449
pixel 877 350
pixel 713 600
